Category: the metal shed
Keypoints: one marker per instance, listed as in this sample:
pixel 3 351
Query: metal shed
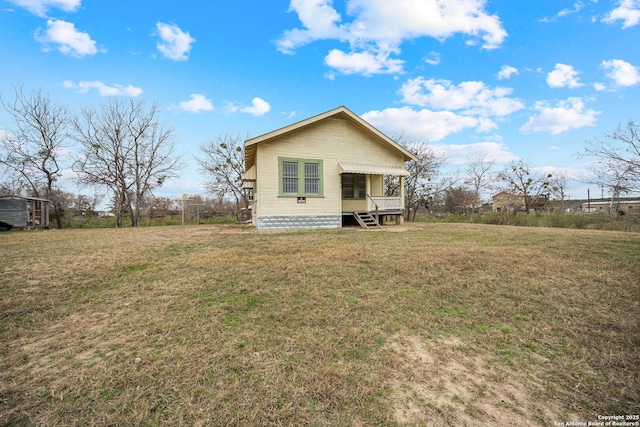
pixel 23 212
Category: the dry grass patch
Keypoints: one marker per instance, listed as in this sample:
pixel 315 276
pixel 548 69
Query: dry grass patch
pixel 432 324
pixel 439 384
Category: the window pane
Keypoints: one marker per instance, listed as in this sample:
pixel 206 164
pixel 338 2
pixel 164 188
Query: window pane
pixel 290 177
pixel 362 187
pixel 311 170
pixel 290 169
pixel 312 186
pixel 312 178
pixel 290 185
pixel 347 186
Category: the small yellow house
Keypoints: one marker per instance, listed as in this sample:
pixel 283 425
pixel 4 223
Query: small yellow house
pixel 323 172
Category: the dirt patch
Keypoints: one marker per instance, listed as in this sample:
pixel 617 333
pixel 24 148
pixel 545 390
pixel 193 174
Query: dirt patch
pixel 438 383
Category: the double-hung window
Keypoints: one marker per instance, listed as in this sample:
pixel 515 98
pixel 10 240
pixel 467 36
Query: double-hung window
pixel 290 177
pixel 300 177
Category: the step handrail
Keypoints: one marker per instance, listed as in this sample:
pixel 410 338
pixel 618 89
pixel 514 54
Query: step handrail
pixel 376 205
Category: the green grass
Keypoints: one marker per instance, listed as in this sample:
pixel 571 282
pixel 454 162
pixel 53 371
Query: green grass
pixel 449 324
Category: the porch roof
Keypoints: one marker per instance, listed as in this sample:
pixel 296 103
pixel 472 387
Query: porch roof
pixel 372 169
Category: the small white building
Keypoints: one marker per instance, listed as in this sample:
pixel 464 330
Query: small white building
pixel 631 207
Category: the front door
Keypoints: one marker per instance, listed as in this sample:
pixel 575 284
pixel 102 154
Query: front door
pixel 354 192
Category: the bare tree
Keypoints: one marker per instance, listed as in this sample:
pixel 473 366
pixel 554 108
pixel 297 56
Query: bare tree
pixel 479 177
pixel 223 164
pixel 126 149
pixel 160 207
pixel 460 199
pixel 618 153
pixel 519 178
pixel 34 148
pixel 10 183
pixel 420 186
pixel 86 205
pixel 558 187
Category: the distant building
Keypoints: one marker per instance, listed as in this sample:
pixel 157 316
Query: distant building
pixel 631 207
pixel 508 202
pixel 23 212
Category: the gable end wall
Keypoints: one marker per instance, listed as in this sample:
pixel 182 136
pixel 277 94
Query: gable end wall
pixel 332 140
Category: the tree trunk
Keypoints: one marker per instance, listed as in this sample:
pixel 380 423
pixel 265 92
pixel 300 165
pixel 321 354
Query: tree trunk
pixel 57 211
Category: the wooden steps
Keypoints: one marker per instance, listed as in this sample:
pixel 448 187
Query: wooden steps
pixel 366 220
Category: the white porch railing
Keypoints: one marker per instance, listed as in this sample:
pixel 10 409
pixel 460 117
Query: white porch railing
pixel 384 203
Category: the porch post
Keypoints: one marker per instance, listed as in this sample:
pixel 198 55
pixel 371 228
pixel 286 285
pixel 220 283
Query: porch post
pixel 368 190
pixel 400 218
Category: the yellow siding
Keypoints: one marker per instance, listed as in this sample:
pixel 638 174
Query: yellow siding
pixel 377 185
pixel 354 205
pixel 332 140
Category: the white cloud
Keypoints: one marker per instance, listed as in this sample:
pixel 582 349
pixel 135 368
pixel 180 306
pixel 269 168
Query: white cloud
pixel 197 103
pixel 174 43
pixel 41 7
pixel 69 174
pixel 459 154
pixel 103 89
pixel 4 135
pixel 627 11
pixel 621 72
pixel 392 22
pixel 506 72
pixel 563 76
pixel 564 116
pixel 576 8
pixel 230 107
pixel 319 20
pixel 366 63
pixel 468 97
pixel 68 40
pixel 599 87
pixel 424 125
pixel 379 27
pixel 433 58
pixel 259 107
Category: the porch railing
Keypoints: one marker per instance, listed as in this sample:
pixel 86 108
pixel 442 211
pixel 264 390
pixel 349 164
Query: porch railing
pixel 384 203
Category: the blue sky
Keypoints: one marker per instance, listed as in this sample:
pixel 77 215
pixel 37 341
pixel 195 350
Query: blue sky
pixel 525 79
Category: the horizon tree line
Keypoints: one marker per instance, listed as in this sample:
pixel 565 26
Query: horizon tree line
pixel 124 148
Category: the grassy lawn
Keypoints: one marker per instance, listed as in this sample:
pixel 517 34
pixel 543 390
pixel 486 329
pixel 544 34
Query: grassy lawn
pixel 440 324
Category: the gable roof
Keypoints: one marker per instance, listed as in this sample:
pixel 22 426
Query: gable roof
pixel 14 197
pixel 507 193
pixel 250 145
